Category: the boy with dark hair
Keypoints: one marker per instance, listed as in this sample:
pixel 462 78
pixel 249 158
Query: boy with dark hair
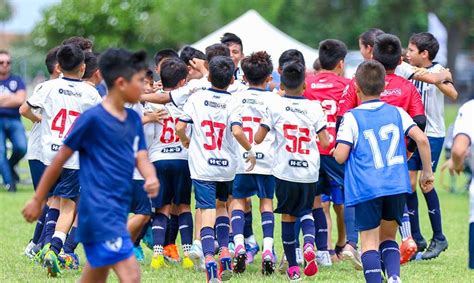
pixel 163 54
pixel 369 133
pixel 187 54
pixel 61 102
pixel 112 155
pixel 422 50
pixel 84 43
pixel 296 123
pixel 215 120
pixel 236 52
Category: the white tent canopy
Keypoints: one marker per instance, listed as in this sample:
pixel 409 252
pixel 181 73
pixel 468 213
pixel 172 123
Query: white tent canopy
pixel 257 34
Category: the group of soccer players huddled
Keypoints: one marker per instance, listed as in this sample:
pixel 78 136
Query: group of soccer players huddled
pixel 115 156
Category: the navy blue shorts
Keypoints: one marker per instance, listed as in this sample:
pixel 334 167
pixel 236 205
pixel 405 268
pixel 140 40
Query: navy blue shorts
pixel 206 193
pixel 247 185
pixel 336 196
pixel 329 170
pixel 295 199
pixel 141 203
pixel 175 183
pixel 368 214
pixel 108 252
pixel 68 184
pixel 436 144
pixel 36 169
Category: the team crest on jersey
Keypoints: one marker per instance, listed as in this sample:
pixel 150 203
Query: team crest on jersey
pixel 13 85
pixel 114 244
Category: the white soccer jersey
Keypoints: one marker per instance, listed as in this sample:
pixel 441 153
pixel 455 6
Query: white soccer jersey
pixel 433 100
pixel 212 150
pixel 254 105
pixel 405 70
pixel 61 102
pixel 296 122
pixel 35 149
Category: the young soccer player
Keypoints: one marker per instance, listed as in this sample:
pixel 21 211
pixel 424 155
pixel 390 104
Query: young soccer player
pixel 107 163
pixel 422 50
pixel 236 49
pixel 187 55
pixel 257 70
pixel 215 122
pixel 296 123
pixel 370 143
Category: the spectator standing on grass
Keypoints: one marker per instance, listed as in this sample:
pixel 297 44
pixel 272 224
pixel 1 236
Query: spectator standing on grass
pixel 12 95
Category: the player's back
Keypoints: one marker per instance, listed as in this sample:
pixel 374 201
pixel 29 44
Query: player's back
pixel 401 93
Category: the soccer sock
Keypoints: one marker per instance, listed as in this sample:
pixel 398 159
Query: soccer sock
pixel 158 228
pixel 471 245
pixel 390 255
pixel 434 211
pixel 167 232
pixel 248 230
pixel 40 225
pixel 307 226
pixel 288 239
pixel 222 231
pixel 351 231
pixel 185 221
pixel 412 205
pixel 405 229
pixel 173 228
pixel 268 226
pixel 372 266
pixel 238 221
pixel 207 241
pixel 297 230
pixel 57 241
pixel 51 218
pixel 321 227
pixel 70 244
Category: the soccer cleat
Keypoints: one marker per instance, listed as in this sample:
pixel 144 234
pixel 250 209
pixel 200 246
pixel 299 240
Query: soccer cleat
pixel 240 259
pixel 311 267
pixel 293 274
pixel 408 249
pixel 323 258
pixel 299 257
pixel 394 279
pixel 211 272
pixel 231 248
pixel 421 244
pixel 268 262
pixel 28 249
pixel 170 252
pixel 434 249
pixel 40 254
pixel 252 251
pixel 283 266
pixel 157 262
pixel 197 256
pixel 69 261
pixel 225 265
pixel 138 251
pixel 51 262
pixel 187 263
pixel 349 253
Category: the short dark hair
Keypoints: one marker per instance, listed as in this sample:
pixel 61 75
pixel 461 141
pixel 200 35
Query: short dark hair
pixel 70 57
pixel 293 75
pixel 221 71
pixel 290 55
pixel 165 53
pixel 387 50
pixel 257 67
pixel 425 41
pixel 368 37
pixel 173 70
pixel 188 53
pixel 149 74
pixel 217 49
pixel 84 43
pixel 370 77
pixel 92 65
pixel 331 51
pixel 317 65
pixel 51 60
pixel 230 38
pixel 116 62
pixel 3 51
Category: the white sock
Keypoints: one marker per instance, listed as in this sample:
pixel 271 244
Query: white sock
pixel 198 243
pixel 60 235
pixel 267 244
pixel 239 240
pixel 250 240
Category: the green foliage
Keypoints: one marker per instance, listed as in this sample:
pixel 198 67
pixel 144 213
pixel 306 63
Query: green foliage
pixel 5 10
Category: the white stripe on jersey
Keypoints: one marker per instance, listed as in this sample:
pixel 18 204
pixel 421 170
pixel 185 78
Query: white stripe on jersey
pixel 35 150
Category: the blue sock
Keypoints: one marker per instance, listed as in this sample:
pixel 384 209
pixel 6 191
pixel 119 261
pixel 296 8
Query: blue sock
pixel 231 237
pixel 40 225
pixel 434 211
pixel 321 227
pixel 158 228
pixel 372 266
pixel 288 239
pixel 173 227
pixel 471 245
pixel 56 245
pixel 207 241
pixel 307 227
pixel 248 230
pixel 238 222
pixel 50 226
pixel 390 254
pixel 70 244
pixel 185 221
pixel 297 231
pixel 167 232
pixel 412 205
pixel 222 231
pixel 405 229
pixel 268 224
pixel 351 231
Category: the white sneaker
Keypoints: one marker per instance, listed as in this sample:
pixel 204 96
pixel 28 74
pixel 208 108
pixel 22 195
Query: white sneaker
pixel 299 256
pixel 28 249
pixel 197 256
pixel 283 266
pixel 323 258
pixel 394 279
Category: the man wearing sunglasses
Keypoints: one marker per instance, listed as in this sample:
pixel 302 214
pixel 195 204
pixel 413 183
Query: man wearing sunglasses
pixel 12 95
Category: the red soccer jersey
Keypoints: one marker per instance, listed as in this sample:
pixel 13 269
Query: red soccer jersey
pixel 327 88
pixel 398 92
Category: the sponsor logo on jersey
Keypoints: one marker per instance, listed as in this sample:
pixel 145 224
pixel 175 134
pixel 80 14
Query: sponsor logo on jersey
pixel 258 155
pixel 298 163
pixel 296 110
pixel 69 92
pixel 55 147
pixel 251 101
pixel 172 149
pixel 214 104
pixel 218 162
pixel 321 85
pixel 391 92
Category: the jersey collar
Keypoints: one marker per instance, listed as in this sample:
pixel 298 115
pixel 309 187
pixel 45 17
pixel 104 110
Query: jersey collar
pixel 371 101
pixel 294 97
pixel 71 80
pixel 256 88
pixel 218 90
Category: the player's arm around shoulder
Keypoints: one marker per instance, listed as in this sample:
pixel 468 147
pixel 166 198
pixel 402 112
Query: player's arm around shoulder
pixel 26 110
pixel 345 138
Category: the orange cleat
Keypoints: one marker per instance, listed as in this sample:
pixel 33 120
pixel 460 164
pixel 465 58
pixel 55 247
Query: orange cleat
pixel 407 250
pixel 171 253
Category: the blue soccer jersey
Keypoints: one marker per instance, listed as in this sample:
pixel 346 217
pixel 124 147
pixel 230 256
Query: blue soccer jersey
pixel 376 166
pixel 107 149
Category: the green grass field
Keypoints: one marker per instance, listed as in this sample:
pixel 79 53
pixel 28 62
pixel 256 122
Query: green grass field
pixel 451 266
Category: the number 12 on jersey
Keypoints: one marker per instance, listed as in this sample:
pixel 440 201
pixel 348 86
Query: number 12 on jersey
pixel 384 133
pixel 60 121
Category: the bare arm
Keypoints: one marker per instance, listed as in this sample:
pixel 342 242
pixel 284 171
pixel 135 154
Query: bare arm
pixel 154 117
pixel 158 98
pixel 341 153
pixel 427 177
pixel 26 111
pixel 260 134
pixel 148 172
pixel 181 132
pixel 323 138
pixel 12 101
pixel 458 154
pixel 244 142
pixel 448 90
pixel 432 78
